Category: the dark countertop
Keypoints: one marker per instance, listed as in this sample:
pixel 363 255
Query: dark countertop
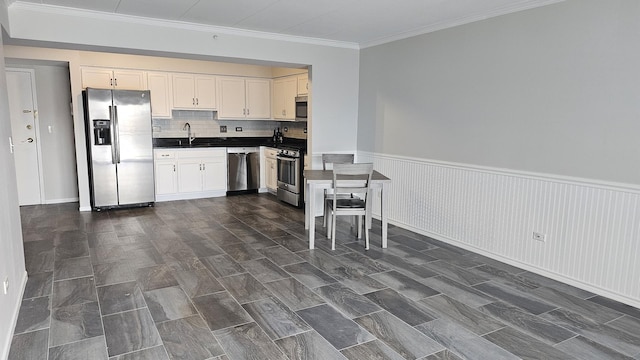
pixel 183 143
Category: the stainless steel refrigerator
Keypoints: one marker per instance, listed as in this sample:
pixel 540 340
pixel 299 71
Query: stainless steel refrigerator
pixel 119 148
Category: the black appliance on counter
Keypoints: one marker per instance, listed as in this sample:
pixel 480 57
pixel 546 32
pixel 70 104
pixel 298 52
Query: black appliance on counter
pixel 290 175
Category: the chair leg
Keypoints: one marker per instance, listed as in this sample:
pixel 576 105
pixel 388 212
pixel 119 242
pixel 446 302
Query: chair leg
pixel 326 211
pixel 333 231
pixel 366 236
pixel 366 233
pixel 329 224
pixel 359 225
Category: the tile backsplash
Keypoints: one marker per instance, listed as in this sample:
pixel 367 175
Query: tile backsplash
pixel 205 124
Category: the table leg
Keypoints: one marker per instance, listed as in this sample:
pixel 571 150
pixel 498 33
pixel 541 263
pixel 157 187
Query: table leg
pixel 311 215
pixel 383 214
pixel 307 214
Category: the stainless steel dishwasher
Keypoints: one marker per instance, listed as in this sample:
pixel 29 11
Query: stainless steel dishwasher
pixel 243 169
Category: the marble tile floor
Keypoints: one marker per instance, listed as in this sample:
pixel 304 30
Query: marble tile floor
pixel 232 278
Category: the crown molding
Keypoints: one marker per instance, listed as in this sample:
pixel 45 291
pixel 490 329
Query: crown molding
pixel 217 30
pixel 504 10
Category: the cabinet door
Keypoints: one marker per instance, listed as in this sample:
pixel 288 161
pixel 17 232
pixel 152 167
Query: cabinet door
pixel 97 78
pixel 215 173
pixel 258 98
pixel 166 177
pixel 284 94
pixel 303 85
pixel 278 99
pixel 232 98
pixel 290 93
pixel 271 174
pixel 160 94
pixel 189 175
pixel 205 89
pixel 184 95
pixel 128 80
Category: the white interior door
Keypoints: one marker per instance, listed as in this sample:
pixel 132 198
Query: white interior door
pixel 22 108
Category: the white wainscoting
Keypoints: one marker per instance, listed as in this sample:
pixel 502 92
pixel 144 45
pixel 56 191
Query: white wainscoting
pixel 592 228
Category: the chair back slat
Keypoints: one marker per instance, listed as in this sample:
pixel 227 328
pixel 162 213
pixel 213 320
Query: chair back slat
pixel 329 159
pixel 352 178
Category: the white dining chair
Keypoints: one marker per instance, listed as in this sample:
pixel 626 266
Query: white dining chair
pixel 349 179
pixel 327 164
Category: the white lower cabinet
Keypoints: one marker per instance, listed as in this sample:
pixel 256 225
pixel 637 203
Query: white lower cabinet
pixel 190 173
pixel 271 169
pixel 166 172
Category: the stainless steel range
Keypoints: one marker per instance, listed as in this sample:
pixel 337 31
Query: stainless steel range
pixel 290 177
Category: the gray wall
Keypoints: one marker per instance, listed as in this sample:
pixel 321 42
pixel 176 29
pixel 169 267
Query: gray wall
pixel 12 265
pixel 53 94
pixel 58 147
pixel 551 90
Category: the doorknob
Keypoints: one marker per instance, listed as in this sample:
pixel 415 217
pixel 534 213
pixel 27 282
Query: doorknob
pixel 29 127
pixel 29 140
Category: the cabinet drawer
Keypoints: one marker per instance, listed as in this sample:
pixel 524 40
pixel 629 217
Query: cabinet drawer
pixel 270 153
pixel 164 154
pixel 200 154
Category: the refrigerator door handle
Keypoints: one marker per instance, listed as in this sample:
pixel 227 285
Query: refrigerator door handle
pixel 112 131
pixel 117 133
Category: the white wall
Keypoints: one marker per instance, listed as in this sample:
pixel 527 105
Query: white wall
pixel 521 123
pixel 334 69
pixel 12 264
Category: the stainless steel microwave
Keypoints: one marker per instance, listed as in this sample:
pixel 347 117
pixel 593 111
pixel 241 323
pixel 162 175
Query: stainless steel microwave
pixel 301 108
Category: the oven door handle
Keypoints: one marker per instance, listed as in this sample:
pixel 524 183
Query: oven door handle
pixel 283 158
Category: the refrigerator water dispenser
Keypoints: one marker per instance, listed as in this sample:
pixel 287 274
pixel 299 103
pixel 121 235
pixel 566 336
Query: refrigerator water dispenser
pixel 102 132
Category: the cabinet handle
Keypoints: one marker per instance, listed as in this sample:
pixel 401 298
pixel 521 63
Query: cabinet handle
pixel 196 101
pixel 111 82
pixel 244 111
pixel 174 168
pixel 247 111
pixel 115 82
pixel 200 165
pixel 193 100
pixel 203 168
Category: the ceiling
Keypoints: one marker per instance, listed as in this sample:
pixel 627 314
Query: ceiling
pixel 360 22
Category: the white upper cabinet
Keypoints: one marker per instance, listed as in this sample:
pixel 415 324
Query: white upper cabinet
pixel 103 78
pixel 303 85
pixel 160 86
pixel 258 98
pixel 241 98
pixel 194 91
pixel 285 91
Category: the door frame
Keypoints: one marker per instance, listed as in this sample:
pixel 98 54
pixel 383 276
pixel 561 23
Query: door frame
pixel 36 123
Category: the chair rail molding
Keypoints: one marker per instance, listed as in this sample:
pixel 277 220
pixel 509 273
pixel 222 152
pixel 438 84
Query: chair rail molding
pixel 591 228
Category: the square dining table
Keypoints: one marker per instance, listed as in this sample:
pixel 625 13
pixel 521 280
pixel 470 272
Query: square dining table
pixel 318 180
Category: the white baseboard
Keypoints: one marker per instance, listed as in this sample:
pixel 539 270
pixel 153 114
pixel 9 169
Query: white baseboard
pixel 14 318
pixel 191 196
pixel 534 269
pixel 61 201
pixel 590 226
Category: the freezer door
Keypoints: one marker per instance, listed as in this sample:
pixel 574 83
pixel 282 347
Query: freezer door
pixel 134 154
pixel 104 187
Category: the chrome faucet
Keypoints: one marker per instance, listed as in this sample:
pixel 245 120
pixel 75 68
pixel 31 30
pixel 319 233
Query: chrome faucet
pixel 187 127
